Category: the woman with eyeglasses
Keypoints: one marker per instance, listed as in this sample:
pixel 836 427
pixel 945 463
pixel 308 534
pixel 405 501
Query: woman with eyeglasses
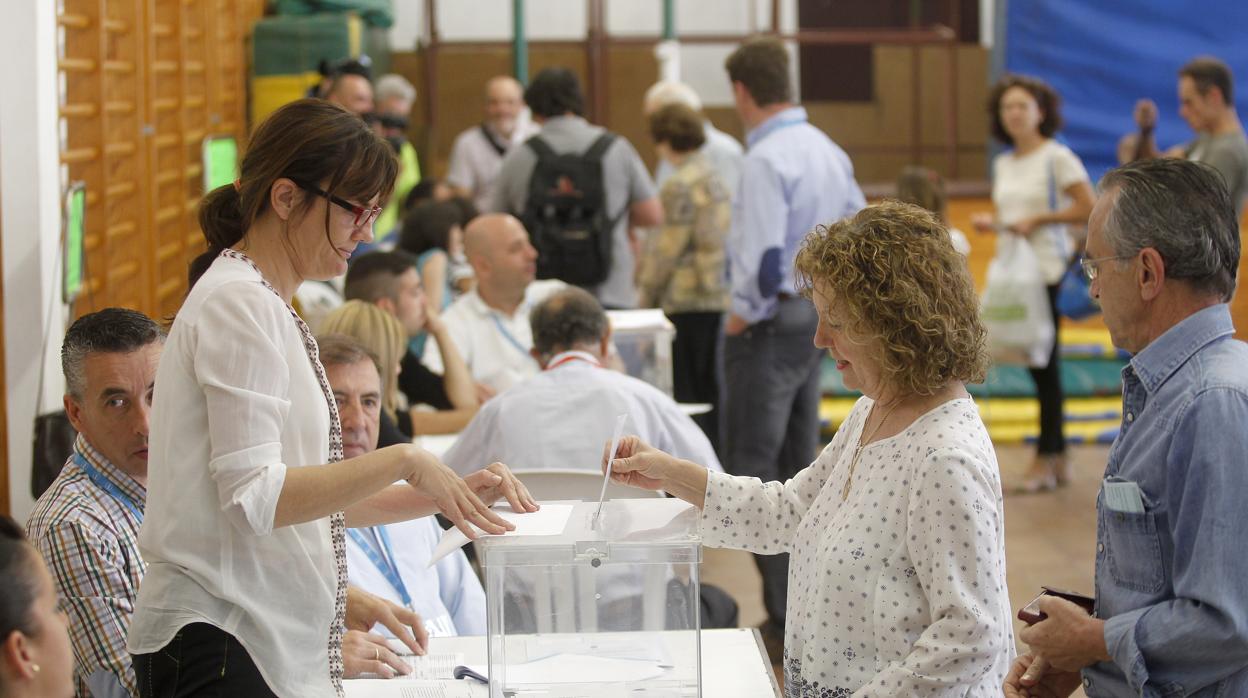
pixel 248 495
pixel 1039 189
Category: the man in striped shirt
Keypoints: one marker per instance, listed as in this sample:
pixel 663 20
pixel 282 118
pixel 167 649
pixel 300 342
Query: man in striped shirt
pixel 86 524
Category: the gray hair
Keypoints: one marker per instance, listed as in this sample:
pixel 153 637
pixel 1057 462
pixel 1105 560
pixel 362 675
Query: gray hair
pixel 111 330
pixel 1183 210
pixel 394 85
pixel 667 92
pixel 567 319
pixel 344 350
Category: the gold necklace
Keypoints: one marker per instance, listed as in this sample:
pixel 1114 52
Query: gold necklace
pixel 863 443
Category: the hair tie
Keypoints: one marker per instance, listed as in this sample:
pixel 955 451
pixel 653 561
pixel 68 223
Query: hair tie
pixel 238 185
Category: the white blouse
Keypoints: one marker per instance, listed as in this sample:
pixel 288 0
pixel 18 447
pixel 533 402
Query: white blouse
pixel 236 403
pixel 900 590
pixel 1035 184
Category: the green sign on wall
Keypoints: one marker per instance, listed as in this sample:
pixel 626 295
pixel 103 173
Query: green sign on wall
pixel 75 213
pixel 220 161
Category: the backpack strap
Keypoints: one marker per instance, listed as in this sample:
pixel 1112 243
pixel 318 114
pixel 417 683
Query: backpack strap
pixel 541 148
pixel 599 147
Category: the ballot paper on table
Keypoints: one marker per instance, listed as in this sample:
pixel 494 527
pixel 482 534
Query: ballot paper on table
pixel 429 666
pixel 550 520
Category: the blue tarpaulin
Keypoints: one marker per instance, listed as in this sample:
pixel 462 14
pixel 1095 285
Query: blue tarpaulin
pixel 1103 55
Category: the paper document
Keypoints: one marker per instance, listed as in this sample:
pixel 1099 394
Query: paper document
pixel 606 474
pixel 381 688
pixel 550 520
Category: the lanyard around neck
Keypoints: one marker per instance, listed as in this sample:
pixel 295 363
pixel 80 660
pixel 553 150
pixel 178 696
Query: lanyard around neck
pixel 108 486
pixel 568 357
pixel 507 335
pixel 381 554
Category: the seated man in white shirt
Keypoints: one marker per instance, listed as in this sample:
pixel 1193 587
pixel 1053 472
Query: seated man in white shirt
pixel 490 324
pixel 392 561
pixel 561 417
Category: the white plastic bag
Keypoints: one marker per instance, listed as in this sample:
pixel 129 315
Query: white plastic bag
pixel 1016 306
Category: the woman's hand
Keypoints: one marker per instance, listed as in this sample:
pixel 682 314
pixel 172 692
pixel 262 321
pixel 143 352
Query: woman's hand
pixel 455 499
pixel 364 610
pixel 369 653
pixel 497 482
pixel 1025 226
pixel 1031 677
pixel 637 464
pixel 434 324
pixel 983 222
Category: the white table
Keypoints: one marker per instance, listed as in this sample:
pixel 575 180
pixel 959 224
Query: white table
pixel 734 665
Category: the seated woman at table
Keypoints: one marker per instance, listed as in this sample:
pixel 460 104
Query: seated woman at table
pixel 897 576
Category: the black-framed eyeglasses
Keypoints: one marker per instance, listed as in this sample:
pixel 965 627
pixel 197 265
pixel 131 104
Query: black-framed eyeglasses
pixel 363 216
pixel 1092 267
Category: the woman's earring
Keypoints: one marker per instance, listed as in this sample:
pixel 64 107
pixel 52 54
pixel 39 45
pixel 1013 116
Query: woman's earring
pixel 34 668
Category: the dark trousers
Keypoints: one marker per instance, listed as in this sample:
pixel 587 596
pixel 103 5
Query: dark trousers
pixel 770 406
pixel 695 366
pixel 201 661
pixel 1048 380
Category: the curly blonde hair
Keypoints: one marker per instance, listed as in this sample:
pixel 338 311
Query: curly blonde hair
pixel 893 273
pixel 378 332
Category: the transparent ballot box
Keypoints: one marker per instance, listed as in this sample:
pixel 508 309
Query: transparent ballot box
pixel 602 610
pixel 643 339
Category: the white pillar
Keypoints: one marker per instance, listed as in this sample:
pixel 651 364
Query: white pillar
pixel 30 193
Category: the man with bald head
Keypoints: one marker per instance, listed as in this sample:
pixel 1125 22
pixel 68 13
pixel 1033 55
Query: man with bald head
pixel 478 152
pixel 351 90
pixel 490 324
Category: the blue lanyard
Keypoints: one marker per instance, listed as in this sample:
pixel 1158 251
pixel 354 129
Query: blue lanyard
pixel 382 559
pixel 508 336
pixel 772 128
pixel 107 485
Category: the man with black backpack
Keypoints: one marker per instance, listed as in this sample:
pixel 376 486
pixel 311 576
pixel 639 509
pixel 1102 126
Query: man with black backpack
pixel 578 189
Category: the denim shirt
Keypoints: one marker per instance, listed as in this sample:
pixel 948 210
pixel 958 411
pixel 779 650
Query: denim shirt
pixel 793 178
pixel 1172 581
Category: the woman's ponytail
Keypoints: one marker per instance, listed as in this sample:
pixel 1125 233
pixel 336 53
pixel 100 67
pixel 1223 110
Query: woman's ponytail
pixel 221 220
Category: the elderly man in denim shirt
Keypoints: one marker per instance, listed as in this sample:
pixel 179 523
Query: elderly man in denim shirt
pixel 793 178
pixel 1171 614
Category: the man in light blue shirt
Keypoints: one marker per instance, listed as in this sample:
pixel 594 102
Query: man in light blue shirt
pixel 793 178
pixel 1171 615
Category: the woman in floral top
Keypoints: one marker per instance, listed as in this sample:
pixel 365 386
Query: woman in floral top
pixel 683 268
pixel 896 531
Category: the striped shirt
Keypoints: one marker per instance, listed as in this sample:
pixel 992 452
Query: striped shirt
pixel 89 539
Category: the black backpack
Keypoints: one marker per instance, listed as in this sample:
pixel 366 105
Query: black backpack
pixel 566 214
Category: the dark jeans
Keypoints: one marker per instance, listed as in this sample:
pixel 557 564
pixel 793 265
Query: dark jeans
pixel 695 366
pixel 201 661
pixel 770 406
pixel 1048 380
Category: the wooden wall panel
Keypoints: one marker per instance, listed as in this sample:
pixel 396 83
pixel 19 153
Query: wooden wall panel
pixel 143 82
pixel 878 135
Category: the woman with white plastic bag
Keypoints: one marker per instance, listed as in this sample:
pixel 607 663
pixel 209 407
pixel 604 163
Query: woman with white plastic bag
pixel 1038 187
pixel 1016 308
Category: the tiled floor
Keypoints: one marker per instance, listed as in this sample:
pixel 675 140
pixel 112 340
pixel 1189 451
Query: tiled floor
pixel 1050 539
